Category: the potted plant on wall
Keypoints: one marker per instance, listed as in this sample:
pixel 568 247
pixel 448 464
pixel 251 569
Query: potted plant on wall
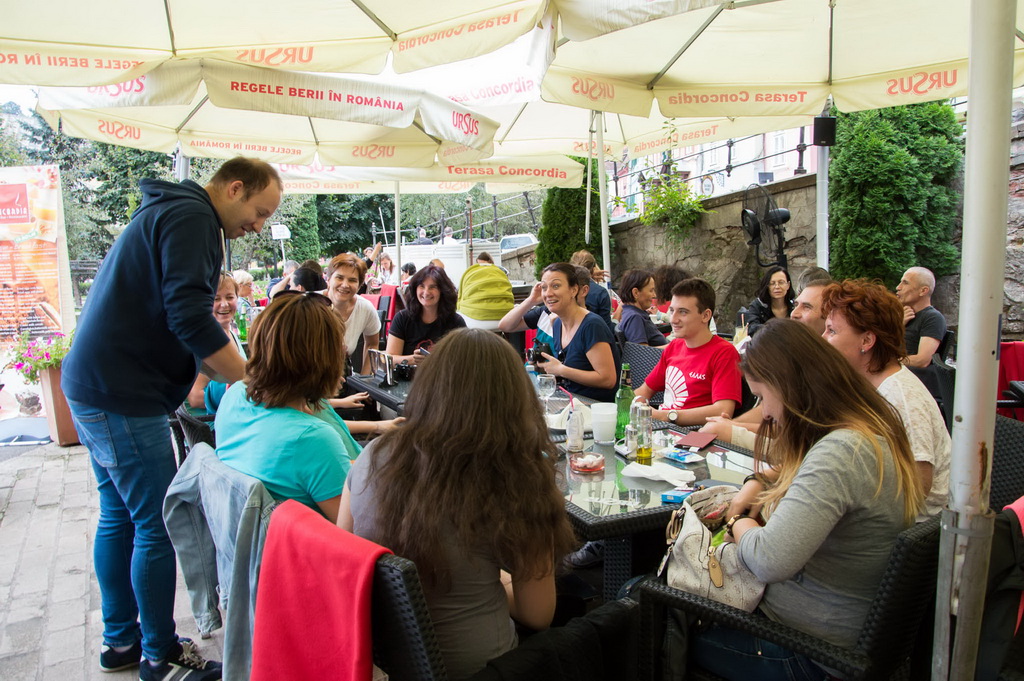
pixel 38 361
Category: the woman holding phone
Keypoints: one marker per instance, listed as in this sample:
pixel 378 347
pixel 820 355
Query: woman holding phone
pixel 429 314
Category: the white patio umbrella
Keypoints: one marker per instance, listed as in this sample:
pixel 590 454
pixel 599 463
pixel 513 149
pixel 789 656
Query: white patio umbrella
pixel 222 110
pixel 63 42
pixel 702 57
pixel 761 57
pixel 501 174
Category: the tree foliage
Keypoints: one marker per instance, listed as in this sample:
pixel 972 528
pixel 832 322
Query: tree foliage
pixel 346 220
pixel 563 215
pixel 892 199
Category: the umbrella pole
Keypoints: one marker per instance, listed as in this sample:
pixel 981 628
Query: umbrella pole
pixel 821 199
pixel 398 229
pixel 603 194
pixel 969 531
pixel 590 175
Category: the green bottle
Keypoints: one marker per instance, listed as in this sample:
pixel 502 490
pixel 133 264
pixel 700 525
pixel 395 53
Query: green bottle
pixel 242 322
pixel 623 401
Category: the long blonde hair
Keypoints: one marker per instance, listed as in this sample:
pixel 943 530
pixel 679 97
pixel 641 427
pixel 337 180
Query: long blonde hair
pixel 821 392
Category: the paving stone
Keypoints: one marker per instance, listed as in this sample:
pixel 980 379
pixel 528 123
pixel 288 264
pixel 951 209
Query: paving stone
pixel 70 613
pixel 25 608
pixel 65 671
pixel 74 537
pixel 22 637
pixel 24 667
pixel 68 586
pixel 67 644
pixel 33 573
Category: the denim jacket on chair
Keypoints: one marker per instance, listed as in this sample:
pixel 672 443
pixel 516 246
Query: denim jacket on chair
pixel 217 519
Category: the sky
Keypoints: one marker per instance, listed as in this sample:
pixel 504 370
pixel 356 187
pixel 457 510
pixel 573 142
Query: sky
pixel 23 95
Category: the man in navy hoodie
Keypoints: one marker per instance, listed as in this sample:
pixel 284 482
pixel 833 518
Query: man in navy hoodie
pixel 144 332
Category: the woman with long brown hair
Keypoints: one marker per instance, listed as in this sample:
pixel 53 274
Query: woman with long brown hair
pixel 471 500
pixel 843 487
pixel 276 425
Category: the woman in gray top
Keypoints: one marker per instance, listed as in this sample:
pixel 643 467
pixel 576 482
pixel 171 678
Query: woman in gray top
pixel 465 488
pixel 840 484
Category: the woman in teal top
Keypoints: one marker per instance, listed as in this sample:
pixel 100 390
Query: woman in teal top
pixel 276 426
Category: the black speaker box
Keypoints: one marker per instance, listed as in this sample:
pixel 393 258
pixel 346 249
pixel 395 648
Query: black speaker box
pixel 824 131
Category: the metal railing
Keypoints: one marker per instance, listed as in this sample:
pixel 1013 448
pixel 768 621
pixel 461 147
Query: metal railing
pixel 634 201
pixel 461 223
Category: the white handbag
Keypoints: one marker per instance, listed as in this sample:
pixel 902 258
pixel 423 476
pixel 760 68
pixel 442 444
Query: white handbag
pixel 697 567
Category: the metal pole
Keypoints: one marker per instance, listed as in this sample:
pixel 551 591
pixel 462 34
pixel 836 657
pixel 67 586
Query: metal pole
pixel 590 173
pixel 398 218
pixel 606 248
pixel 981 300
pixel 494 207
pixel 469 227
pixel 821 208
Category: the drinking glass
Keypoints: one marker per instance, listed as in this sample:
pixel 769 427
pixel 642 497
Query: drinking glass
pixel 546 386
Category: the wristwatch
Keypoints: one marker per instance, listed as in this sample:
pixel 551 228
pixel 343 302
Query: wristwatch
pixel 673 415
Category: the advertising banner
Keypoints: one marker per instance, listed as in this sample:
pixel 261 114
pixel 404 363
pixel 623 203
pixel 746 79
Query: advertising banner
pixel 35 275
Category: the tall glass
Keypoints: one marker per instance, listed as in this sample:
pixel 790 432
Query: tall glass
pixel 546 387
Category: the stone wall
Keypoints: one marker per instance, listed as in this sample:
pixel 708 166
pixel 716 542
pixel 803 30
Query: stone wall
pixel 716 248
pixel 520 263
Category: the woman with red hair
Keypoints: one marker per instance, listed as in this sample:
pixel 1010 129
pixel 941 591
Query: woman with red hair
pixel 864 321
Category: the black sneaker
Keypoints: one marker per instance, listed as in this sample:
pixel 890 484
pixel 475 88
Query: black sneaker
pixel 184 663
pixel 113 661
pixel 589 555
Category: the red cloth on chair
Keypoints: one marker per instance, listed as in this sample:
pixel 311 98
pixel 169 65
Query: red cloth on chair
pixel 313 600
pixel 1011 368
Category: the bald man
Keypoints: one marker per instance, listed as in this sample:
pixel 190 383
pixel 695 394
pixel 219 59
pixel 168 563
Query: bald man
pixel 925 325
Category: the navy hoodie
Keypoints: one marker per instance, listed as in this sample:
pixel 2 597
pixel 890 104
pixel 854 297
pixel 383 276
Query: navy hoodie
pixel 148 317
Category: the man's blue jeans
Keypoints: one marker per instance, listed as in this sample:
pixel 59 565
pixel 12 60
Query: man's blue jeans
pixel 133 462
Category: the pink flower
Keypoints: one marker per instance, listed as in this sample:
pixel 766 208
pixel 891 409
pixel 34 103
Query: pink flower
pixel 19 365
pixel 47 355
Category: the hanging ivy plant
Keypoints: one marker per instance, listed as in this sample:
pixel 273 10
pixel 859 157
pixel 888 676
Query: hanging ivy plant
pixel 670 202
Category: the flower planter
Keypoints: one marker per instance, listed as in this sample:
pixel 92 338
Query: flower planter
pixel 58 415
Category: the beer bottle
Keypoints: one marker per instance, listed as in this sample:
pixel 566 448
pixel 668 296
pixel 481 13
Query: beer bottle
pixel 623 400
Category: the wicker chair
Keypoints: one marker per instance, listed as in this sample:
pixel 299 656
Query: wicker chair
pixel 905 593
pixel 1007 463
pixel 642 360
pixel 195 428
pixel 404 645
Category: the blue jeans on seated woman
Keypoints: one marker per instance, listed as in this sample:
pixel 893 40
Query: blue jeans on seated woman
pixel 735 654
pixel 133 462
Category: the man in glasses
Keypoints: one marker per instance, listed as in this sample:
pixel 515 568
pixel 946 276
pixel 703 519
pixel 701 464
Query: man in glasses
pixel 144 331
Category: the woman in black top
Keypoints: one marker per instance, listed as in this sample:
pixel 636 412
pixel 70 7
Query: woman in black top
pixel 429 314
pixel 774 299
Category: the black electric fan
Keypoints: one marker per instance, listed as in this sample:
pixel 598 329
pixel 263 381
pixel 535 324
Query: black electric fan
pixel 762 221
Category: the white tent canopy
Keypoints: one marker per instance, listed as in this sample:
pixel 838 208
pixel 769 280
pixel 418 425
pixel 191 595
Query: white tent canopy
pixel 761 58
pixel 63 42
pixel 501 175
pixel 221 110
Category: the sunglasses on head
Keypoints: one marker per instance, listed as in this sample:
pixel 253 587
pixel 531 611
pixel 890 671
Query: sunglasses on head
pixel 311 294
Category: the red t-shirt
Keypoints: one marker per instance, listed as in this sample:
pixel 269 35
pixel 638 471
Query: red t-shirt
pixel 697 377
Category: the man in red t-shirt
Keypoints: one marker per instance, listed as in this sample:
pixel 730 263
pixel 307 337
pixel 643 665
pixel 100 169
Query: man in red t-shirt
pixel 698 370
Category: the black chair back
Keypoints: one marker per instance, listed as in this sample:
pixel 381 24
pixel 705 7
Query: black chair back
pixel 195 429
pixel 1007 463
pixel 404 645
pixel 905 594
pixel 641 360
pixel 748 400
pixel 946 344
